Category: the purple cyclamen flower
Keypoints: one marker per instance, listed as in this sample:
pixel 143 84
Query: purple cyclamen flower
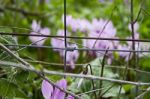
pixel 74 24
pixel 78 24
pixel 125 55
pixel 72 56
pixel 35 26
pixel 50 92
pixel 71 22
pixel 138 45
pixel 83 25
pixel 98 30
pixel 38 31
pixel 103 29
pixel 59 42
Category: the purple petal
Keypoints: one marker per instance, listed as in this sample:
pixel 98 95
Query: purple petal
pixel 70 97
pixel 136 27
pixel 45 31
pixel 57 93
pixel 35 26
pixel 46 89
pixel 37 40
pixel 72 57
pixel 59 42
pixel 72 64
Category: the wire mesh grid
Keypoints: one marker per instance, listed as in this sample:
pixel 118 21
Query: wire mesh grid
pixel 134 52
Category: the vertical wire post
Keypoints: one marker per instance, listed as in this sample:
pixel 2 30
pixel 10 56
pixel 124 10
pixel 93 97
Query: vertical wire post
pixel 65 34
pixel 133 42
pixel 132 31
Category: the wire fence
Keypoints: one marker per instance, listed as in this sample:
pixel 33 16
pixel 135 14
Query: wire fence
pixel 25 63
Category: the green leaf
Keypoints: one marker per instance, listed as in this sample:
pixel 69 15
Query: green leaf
pixel 127 87
pixel 97 70
pixel 147 95
pixel 85 96
pixel 7 39
pixel 9 89
pixel 5 30
pixel 86 85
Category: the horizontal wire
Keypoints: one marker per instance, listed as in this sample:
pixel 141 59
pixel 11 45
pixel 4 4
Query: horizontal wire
pixel 79 49
pixel 75 37
pixel 107 66
pixel 6 63
pixel 59 39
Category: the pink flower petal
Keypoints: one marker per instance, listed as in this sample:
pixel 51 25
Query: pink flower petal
pixel 70 97
pixel 46 89
pixel 45 31
pixel 37 40
pixel 57 93
pixel 38 30
pixel 35 26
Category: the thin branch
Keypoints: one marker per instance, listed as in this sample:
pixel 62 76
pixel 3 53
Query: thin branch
pixel 139 12
pixel 6 63
pixel 146 12
pixel 102 71
pixel 137 56
pixel 89 65
pixel 137 67
pixel 103 28
pixel 14 55
pixel 107 89
pixel 132 30
pixel 22 48
pixel 61 89
pixel 91 91
pixel 22 11
pixel 27 66
pixel 142 95
pixel 124 76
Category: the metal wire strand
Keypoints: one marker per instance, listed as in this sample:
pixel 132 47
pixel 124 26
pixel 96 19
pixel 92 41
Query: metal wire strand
pixel 75 37
pixel 79 49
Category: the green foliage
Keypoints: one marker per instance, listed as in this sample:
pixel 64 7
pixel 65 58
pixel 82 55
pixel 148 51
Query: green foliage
pixel 147 95
pixel 7 39
pixel 10 90
pixel 5 30
pixel 82 85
